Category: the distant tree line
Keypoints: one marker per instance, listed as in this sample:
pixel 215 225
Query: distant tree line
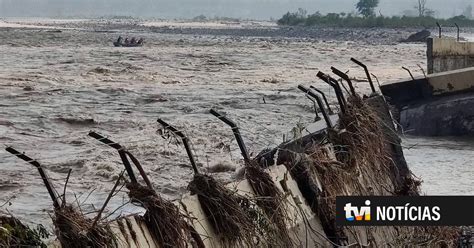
pixel 366 17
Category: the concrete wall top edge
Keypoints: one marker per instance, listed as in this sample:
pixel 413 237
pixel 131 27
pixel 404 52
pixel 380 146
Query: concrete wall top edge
pixel 452 47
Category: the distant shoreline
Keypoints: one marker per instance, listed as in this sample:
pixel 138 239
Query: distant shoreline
pixel 258 29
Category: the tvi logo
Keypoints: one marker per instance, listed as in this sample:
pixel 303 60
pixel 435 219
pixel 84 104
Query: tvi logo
pixel 354 213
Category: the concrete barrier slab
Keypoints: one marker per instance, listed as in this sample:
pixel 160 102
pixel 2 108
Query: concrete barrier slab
pixel 445 54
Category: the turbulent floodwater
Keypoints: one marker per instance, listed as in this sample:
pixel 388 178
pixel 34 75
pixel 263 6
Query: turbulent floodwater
pixel 57 86
pixel 446 165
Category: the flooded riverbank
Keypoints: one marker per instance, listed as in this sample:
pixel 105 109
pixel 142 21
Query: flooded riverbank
pixel 57 86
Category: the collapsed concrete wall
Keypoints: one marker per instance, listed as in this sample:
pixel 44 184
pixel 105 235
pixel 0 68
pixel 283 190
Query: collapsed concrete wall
pixel 446 54
pixel 360 155
pixel 361 174
pixel 310 208
pixel 312 170
pixel 405 92
pixel 304 225
pixel 447 116
pixel 442 100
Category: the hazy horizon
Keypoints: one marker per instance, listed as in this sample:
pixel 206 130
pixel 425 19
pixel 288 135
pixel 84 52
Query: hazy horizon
pixel 247 9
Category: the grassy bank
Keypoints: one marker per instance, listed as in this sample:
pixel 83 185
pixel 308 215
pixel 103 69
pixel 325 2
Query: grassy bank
pixel 349 20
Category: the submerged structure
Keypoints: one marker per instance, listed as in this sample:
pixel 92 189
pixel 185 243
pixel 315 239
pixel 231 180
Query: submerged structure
pixel 288 196
pixel 439 104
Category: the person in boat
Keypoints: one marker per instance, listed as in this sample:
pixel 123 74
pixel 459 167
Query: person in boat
pixel 119 40
pixel 133 41
pixel 126 41
pixel 140 41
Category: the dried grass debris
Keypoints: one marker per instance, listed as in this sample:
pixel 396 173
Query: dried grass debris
pixel 73 230
pixel 273 203
pixel 163 218
pixel 223 208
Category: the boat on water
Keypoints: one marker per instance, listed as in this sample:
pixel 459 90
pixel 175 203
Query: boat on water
pixel 126 43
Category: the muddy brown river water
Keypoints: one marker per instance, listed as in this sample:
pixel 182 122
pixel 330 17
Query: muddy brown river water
pixel 57 86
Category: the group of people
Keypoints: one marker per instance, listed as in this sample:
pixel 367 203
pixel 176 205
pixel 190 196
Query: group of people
pixel 132 41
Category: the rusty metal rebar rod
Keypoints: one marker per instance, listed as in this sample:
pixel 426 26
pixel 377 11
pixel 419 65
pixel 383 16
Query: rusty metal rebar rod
pixel 457 27
pixel 367 74
pixel 315 106
pixel 320 103
pixel 439 28
pixel 235 130
pixel 324 98
pixel 336 87
pixel 340 89
pixel 185 142
pixel 123 155
pixel 378 82
pixel 345 77
pixel 316 109
pixel 336 82
pixel 140 169
pixel 408 70
pixel 44 176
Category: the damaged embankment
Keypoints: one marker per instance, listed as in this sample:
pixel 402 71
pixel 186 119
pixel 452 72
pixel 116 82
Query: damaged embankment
pixel 238 220
pixel 360 155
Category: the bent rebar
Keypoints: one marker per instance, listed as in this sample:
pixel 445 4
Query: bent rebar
pixel 346 78
pixel 44 176
pixel 235 130
pixel 185 142
pixel 408 70
pixel 320 103
pixel 336 87
pixel 123 155
pixel 324 98
pixel 367 74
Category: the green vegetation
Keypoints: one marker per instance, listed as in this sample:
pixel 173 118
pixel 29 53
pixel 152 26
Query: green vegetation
pixel 366 17
pixel 366 7
pixel 300 18
pixel 15 234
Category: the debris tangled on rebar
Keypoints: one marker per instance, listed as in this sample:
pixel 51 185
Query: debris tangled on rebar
pixel 360 137
pixel 411 186
pixel 304 174
pixel 272 201
pixel 363 149
pixel 360 148
pixel 222 207
pixel 73 229
pixel 334 180
pixel 164 220
pixel 268 197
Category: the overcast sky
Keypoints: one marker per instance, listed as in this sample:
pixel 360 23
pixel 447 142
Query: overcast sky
pixel 253 9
